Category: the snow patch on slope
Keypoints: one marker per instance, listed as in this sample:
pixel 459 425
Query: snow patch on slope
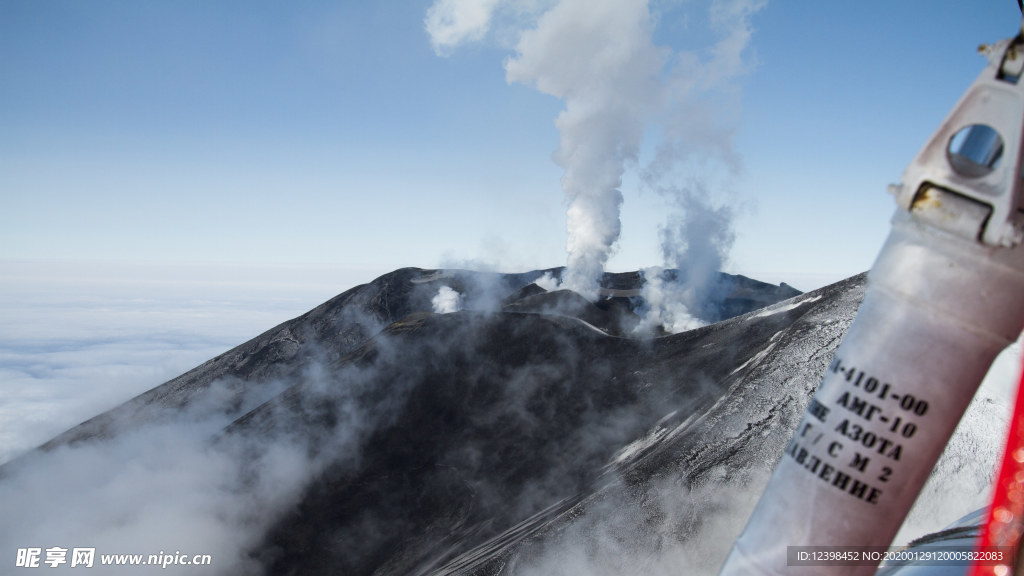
pixel 779 308
pixel 639 446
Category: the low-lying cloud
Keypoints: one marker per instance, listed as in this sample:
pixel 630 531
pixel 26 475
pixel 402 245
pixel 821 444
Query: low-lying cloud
pixel 160 488
pixel 79 338
pixel 187 479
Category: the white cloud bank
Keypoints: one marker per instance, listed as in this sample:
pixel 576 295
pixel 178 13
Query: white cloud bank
pixel 79 338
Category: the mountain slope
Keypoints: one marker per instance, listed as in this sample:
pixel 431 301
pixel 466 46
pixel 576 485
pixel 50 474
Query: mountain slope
pixel 346 321
pixel 530 432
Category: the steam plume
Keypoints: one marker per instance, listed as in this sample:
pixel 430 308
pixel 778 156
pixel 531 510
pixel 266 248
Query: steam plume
pixel 600 58
pixel 446 301
pixel 695 240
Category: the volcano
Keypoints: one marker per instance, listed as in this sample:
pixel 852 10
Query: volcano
pixel 529 432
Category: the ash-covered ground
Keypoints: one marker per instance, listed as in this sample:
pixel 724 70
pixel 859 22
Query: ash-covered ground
pixel 454 422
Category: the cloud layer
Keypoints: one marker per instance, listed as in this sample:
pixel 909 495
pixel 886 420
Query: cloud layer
pixel 78 339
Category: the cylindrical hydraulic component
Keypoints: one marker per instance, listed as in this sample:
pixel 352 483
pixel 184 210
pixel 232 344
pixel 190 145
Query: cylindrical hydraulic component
pixel 937 312
pixel 944 297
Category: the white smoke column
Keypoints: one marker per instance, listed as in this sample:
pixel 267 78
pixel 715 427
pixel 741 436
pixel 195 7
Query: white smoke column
pixel 597 56
pixel 446 301
pixel 668 304
pixel 701 113
pixel 696 241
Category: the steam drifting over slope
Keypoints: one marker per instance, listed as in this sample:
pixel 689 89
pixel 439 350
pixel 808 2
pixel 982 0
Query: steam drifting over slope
pixel 372 436
pixel 348 394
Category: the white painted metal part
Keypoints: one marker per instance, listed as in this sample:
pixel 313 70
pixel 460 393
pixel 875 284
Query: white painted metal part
pixel 945 296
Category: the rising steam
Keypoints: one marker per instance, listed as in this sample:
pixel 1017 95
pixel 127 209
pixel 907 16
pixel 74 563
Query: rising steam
pixel 600 58
pixel 446 301
pixel 695 241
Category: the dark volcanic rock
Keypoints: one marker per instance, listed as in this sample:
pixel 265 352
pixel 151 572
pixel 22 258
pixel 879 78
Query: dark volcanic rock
pixel 490 407
pixel 699 464
pixel 343 323
pixel 466 443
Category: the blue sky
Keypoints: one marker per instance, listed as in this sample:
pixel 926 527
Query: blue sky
pixel 332 134
pixel 176 177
